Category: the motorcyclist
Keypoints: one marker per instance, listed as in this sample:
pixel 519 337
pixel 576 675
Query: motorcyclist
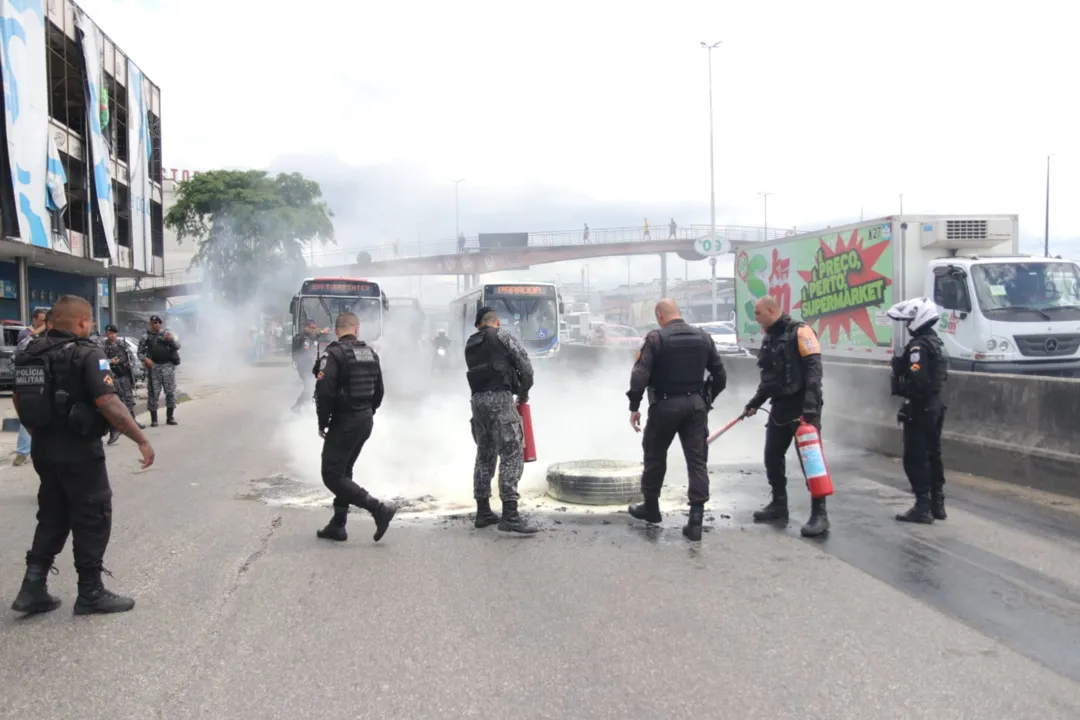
pixel 442 341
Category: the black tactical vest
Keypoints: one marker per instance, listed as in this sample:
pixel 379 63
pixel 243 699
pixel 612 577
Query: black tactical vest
pixel 488 361
pixel 934 358
pixel 779 362
pixel 159 351
pixel 118 350
pixel 49 387
pixel 679 367
pixel 358 371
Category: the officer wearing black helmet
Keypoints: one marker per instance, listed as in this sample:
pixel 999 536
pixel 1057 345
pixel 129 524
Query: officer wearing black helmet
pixel 919 376
pixel 672 365
pixel 348 391
pixel 65 396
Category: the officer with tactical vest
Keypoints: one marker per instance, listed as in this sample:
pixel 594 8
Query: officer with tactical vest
pixel 919 375
pixel 120 363
pixel 498 369
pixel 348 391
pixel 159 351
pixel 671 365
pixel 790 364
pixel 65 396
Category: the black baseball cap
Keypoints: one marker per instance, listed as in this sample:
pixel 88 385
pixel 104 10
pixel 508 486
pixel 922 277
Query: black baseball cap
pixel 111 328
pixel 481 313
pixel 155 318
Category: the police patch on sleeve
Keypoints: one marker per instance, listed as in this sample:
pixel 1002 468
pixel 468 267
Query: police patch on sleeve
pixel 322 364
pixel 103 364
pixel 916 355
pixel 808 342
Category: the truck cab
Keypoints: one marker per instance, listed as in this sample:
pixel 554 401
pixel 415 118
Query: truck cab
pixel 1008 314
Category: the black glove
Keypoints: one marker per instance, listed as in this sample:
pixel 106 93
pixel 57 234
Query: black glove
pixel 812 418
pixel 904 414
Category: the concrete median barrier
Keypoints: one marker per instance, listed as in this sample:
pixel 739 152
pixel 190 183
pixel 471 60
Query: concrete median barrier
pixel 1013 428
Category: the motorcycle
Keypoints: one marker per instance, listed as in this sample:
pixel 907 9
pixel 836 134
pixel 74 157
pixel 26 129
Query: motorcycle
pixel 441 362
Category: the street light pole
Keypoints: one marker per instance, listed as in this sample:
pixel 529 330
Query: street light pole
pixel 712 178
pixel 1046 237
pixel 765 196
pixel 457 219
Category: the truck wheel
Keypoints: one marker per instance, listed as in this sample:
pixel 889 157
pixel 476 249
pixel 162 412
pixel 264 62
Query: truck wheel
pixel 595 482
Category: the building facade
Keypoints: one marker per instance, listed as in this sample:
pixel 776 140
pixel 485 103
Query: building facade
pixel 81 197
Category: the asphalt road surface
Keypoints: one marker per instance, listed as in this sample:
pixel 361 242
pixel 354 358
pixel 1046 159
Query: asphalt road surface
pixel 243 613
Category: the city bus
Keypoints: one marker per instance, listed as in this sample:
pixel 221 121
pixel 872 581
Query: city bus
pixel 530 310
pixel 322 298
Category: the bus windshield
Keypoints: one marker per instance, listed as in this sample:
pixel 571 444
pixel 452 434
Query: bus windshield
pixel 534 320
pixel 324 309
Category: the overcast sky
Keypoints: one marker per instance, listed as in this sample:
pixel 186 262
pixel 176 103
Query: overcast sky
pixel 597 111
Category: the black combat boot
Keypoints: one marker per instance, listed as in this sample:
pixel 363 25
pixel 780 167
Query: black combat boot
pixel 485 516
pixel 169 419
pixel 692 528
pixel 141 426
pixel 649 511
pixel 335 529
pixel 95 599
pixel 382 513
pixel 937 504
pixel 153 418
pixel 818 524
pixel 919 512
pixel 114 435
pixel 34 594
pixel 775 511
pixel 512 522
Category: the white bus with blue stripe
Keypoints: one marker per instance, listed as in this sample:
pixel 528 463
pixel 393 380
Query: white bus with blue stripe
pixel 529 310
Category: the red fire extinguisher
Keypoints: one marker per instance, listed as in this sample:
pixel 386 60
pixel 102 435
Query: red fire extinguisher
pixel 527 431
pixel 812 459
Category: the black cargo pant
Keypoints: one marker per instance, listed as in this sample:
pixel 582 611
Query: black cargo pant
pixel 344 440
pixel 779 433
pixel 922 448
pixel 74 498
pixel 685 416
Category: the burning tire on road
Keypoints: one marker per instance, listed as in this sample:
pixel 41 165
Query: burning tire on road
pixel 595 482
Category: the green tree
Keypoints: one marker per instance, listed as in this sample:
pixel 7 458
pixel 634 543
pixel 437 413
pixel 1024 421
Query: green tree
pixel 250 228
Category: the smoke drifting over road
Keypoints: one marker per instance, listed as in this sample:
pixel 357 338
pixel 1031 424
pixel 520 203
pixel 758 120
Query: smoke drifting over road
pixel 422 450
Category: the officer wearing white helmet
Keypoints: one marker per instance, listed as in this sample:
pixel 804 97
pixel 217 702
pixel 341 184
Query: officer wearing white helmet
pixel 919 376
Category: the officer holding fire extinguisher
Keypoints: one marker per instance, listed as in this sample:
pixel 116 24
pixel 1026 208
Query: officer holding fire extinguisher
pixel 790 364
pixel 919 375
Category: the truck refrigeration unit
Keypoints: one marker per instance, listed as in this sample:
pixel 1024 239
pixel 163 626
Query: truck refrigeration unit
pixel 1000 311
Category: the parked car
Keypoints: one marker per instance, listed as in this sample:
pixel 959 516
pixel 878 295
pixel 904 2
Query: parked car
pixel 616 336
pixel 724 337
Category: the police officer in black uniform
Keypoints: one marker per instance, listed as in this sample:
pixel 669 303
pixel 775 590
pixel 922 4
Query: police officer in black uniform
pixel 790 364
pixel 65 397
pixel 919 376
pixel 672 364
pixel 348 391
pixel 304 353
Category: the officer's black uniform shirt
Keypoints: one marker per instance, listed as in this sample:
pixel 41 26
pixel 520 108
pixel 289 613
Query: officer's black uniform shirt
pixel 708 360
pixel 331 397
pixel 95 380
pixel 924 367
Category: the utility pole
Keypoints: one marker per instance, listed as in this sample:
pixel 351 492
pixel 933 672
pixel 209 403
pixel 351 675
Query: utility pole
pixel 901 203
pixel 457 220
pixel 712 178
pixel 765 196
pixel 1046 231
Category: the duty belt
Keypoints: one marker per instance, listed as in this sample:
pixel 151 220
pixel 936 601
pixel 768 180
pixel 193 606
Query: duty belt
pixel 655 396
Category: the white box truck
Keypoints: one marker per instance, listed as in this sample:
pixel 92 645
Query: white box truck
pixel 1000 311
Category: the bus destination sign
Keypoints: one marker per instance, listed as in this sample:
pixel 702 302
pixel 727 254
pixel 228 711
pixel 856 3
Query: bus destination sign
pixel 531 290
pixel 339 287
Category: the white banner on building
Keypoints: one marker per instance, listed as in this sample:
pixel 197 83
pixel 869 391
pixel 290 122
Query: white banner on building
pixel 26 103
pixel 101 180
pixel 138 127
pixel 56 198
